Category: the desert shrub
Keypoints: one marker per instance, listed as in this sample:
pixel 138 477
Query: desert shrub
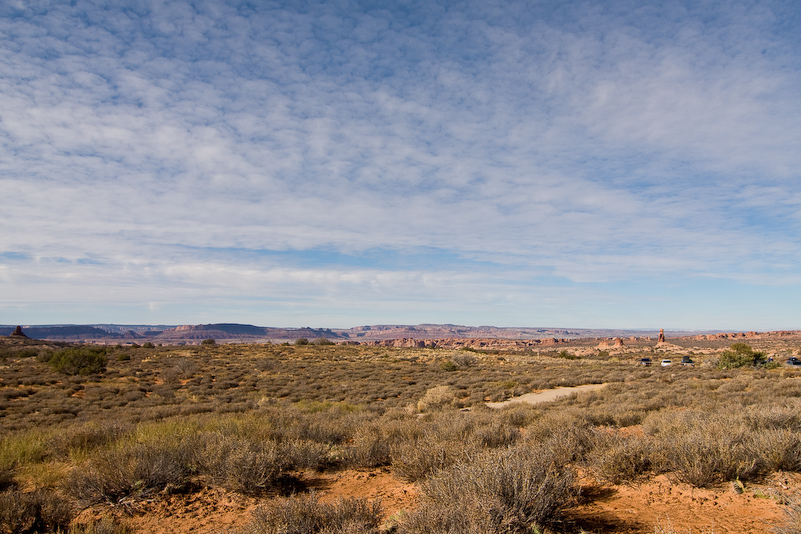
pixel 148 345
pixel 519 414
pixel 416 460
pixel 464 360
pixel 617 458
pixel 778 449
pixel 571 434
pixel 38 511
pixel 495 434
pixel 437 398
pixel 323 341
pixel 448 365
pixel 704 449
pixel 371 448
pixel 307 454
pixel 80 360
pixel 301 341
pixel 239 464
pixel 131 469
pixel 516 490
pixel 105 525
pixel 305 514
pixel 740 355
pixel 209 341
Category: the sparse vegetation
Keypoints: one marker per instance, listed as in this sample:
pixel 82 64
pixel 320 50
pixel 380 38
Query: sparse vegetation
pixel 256 420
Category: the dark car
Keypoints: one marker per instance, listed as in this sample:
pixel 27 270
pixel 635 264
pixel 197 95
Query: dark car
pixel 644 361
pixel 793 361
pixel 686 360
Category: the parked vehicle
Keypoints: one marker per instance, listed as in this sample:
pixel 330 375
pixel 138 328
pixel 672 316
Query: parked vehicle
pixel 686 360
pixel 792 360
pixel 666 363
pixel 644 361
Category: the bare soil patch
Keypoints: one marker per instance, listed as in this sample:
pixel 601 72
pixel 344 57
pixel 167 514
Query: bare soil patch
pixel 545 396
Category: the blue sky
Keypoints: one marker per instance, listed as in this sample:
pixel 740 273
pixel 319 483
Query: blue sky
pixel 515 163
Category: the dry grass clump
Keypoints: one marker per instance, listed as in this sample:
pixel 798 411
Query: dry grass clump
pixel 437 398
pixel 31 512
pixel 305 514
pixel 105 525
pixel 792 522
pixel 502 491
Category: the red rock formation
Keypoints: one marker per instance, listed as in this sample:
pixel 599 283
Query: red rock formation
pixel 661 338
pixel 18 332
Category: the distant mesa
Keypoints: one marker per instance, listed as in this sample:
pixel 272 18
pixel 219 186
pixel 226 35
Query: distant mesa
pixel 18 332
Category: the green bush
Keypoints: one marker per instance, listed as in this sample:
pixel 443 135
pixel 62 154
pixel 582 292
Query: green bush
pixel 566 355
pixel 80 360
pixel 741 355
pixel 448 365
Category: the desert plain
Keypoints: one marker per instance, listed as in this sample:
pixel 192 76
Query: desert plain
pixel 474 436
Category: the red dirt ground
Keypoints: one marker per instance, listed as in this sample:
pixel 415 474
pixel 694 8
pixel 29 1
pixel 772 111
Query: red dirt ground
pixel 629 509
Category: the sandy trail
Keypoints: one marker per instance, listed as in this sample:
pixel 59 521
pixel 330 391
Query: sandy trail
pixel 545 396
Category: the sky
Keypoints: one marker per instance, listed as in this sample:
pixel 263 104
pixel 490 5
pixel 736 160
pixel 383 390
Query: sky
pixel 596 164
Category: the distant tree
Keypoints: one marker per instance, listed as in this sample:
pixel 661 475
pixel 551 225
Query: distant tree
pixel 85 360
pixel 209 341
pixel 301 341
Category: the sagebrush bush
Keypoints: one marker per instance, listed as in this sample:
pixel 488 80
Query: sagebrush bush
pixel 371 448
pixel 105 525
pixel 516 490
pixel 131 469
pixel 32 512
pixel 618 458
pixel 703 449
pixel 305 514
pixel 237 463
pixel 418 459
pixel 437 398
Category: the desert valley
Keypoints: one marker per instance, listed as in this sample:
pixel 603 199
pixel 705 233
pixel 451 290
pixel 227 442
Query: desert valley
pixel 457 430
